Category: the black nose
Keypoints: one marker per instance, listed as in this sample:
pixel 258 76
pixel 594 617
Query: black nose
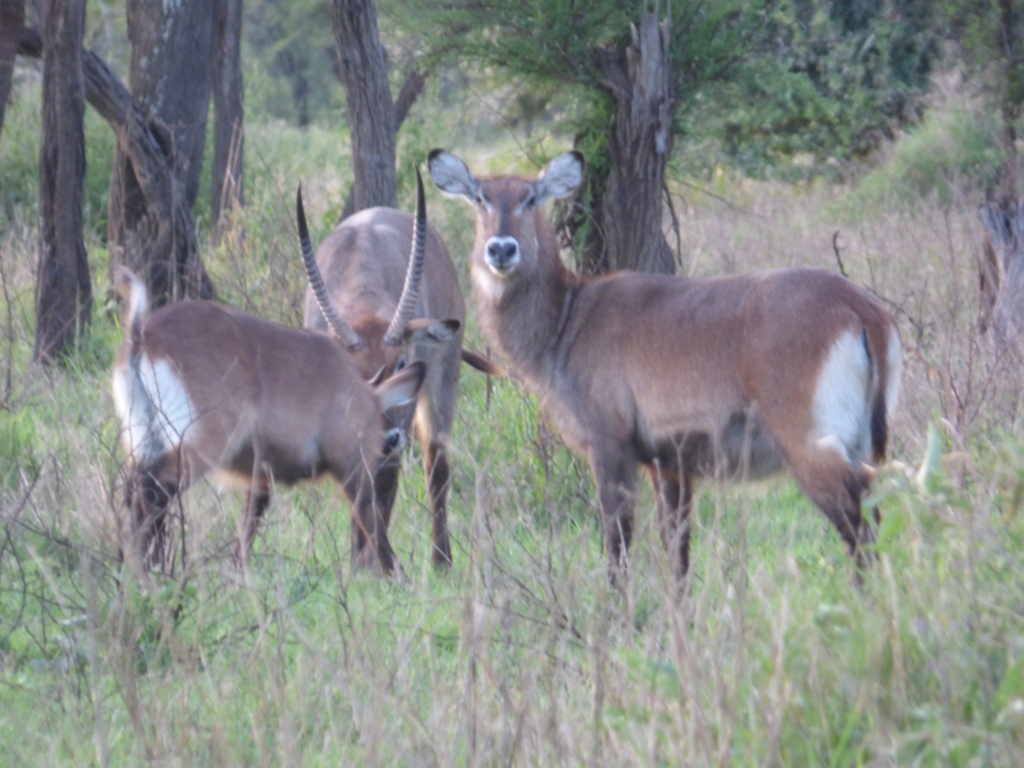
pixel 501 252
pixel 394 440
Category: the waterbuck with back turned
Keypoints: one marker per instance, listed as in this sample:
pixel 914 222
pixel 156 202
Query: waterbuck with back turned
pixel 736 377
pixel 204 388
pixel 376 296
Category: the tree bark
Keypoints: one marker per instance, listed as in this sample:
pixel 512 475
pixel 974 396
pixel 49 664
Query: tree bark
pixel 627 231
pixel 63 288
pixel 168 253
pixel 12 20
pixel 228 112
pixel 172 46
pixel 363 67
pixel 1002 270
pixel 1011 105
pixel 411 89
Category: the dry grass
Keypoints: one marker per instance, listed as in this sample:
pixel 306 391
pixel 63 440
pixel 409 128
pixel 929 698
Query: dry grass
pixel 522 655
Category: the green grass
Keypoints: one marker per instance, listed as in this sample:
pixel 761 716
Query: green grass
pixel 523 654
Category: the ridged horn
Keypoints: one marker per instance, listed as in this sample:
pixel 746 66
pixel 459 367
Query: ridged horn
pixel 316 281
pixel 414 276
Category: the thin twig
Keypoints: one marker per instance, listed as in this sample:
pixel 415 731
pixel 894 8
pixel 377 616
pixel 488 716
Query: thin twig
pixel 839 258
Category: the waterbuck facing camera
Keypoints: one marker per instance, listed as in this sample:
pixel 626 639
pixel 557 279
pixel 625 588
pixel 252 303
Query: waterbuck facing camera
pixel 734 377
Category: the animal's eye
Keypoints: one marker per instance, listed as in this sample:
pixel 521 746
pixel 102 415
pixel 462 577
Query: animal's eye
pixel 402 362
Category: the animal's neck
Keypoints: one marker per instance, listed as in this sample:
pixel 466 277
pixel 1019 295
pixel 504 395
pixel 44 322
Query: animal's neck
pixel 525 320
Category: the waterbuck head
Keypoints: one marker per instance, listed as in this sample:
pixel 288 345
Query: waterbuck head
pixel 359 304
pixel 513 234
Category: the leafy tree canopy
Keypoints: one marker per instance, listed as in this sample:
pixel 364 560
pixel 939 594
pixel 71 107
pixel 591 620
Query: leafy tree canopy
pixel 828 80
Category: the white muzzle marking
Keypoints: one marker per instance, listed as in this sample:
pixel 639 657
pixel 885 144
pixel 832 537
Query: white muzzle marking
pixel 502 254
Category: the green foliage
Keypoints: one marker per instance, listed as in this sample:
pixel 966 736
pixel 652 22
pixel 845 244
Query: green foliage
pixel 19 161
pixel 951 150
pixel 289 62
pixel 829 80
pixel 20 452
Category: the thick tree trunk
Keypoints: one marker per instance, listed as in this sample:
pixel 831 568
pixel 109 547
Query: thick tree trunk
pixel 167 254
pixel 12 19
pixel 361 60
pixel 627 228
pixel 172 46
pixel 228 114
pixel 410 91
pixel 1002 270
pixel 63 288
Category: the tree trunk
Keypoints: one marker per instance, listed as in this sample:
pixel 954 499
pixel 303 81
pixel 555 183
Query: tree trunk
pixel 12 19
pixel 172 46
pixel 1002 270
pixel 627 227
pixel 1011 26
pixel 363 67
pixel 63 289
pixel 228 114
pixel 411 90
pixel 168 253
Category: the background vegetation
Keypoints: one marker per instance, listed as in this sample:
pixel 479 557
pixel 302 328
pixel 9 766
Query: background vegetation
pixel 522 654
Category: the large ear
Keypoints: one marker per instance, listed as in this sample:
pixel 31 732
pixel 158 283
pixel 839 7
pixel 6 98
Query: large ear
pixel 424 330
pixel 560 178
pixel 403 387
pixel 451 175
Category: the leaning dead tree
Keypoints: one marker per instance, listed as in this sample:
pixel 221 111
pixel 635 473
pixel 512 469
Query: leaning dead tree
pixel 1002 270
pixel 163 244
pixel 165 237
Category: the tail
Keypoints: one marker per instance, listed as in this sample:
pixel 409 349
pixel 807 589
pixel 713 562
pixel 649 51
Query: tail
pixel 135 299
pixel 885 351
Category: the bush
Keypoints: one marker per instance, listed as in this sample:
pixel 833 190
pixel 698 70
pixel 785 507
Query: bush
pixel 950 152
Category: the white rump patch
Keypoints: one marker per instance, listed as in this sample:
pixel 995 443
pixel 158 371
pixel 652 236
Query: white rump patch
pixel 842 402
pixel 154 408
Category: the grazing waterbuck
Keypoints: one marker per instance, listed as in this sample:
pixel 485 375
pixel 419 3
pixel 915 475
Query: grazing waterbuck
pixel 376 292
pixel 204 388
pixel 735 377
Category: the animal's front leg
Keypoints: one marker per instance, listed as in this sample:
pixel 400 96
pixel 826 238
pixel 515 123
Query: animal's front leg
pixel 615 475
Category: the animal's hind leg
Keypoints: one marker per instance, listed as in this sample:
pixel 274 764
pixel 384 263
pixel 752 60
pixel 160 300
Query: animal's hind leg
pixel 673 492
pixel 148 499
pixel 837 489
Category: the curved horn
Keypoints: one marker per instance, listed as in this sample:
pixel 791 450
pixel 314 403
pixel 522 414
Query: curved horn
pixel 316 281
pixel 411 290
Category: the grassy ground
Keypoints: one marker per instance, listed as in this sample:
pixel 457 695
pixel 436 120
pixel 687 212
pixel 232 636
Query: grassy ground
pixel 522 654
